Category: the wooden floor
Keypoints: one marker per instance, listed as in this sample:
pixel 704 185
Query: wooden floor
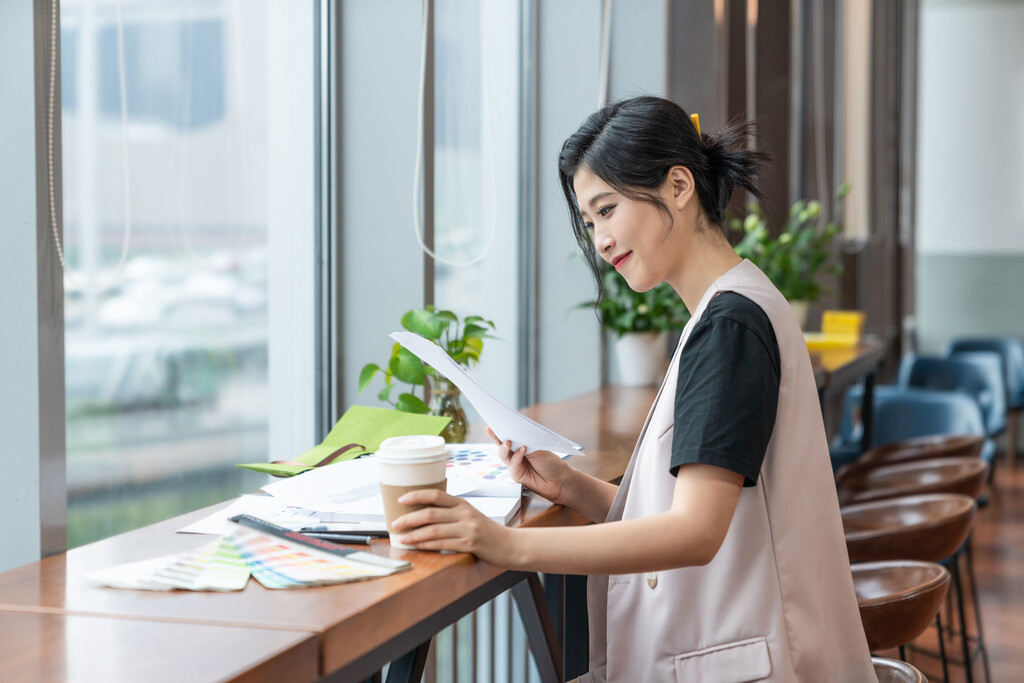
pixel 998 544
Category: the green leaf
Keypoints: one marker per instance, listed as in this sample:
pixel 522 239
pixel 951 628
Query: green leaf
pixel 477 320
pixel 424 323
pixel 469 353
pixel 384 394
pixel 410 403
pixel 625 321
pixel 474 332
pixel 406 367
pixel 448 315
pixel 366 374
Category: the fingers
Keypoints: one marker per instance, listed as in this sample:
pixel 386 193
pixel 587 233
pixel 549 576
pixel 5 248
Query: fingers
pixel 428 497
pixel 436 513
pixel 508 456
pixel 505 452
pixel 437 537
pixel 515 459
pixel 494 437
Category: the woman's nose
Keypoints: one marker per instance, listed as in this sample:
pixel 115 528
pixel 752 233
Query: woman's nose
pixel 602 240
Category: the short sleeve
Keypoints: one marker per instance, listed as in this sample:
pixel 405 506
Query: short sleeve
pixel 727 392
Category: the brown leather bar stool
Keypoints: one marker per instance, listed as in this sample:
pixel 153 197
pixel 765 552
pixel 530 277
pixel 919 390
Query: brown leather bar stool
pixel 952 475
pixel 919 448
pixel 898 599
pixel 893 671
pixel 930 528
pixel 942 475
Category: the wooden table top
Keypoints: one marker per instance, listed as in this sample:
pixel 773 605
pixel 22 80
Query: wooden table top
pixel 350 618
pixel 842 367
pixel 86 649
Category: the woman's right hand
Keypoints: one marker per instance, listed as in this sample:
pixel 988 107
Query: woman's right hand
pixel 542 472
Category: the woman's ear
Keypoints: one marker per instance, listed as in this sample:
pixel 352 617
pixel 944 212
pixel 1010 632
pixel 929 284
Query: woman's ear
pixel 681 187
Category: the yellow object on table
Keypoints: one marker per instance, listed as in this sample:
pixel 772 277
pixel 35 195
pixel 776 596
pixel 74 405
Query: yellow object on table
pixel 839 330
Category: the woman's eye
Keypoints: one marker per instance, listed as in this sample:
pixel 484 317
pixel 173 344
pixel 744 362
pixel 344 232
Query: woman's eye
pixel 605 210
pixel 588 226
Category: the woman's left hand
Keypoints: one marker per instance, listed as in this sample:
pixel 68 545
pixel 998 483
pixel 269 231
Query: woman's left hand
pixel 451 523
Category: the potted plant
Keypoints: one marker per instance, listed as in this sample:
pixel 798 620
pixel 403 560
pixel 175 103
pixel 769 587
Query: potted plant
pixel 799 257
pixel 641 322
pixel 462 340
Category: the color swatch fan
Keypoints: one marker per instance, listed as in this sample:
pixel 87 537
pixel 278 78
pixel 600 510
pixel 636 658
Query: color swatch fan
pixel 478 464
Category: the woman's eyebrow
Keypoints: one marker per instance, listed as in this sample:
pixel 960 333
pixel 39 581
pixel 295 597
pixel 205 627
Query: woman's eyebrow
pixel 598 197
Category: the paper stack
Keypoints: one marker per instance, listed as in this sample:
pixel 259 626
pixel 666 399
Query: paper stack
pixel 350 491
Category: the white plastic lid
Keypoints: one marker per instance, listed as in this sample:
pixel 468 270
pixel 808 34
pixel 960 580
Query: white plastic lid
pixel 419 448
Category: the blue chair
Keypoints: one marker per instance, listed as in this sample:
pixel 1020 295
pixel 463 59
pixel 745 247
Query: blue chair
pixel 978 374
pixel 1011 354
pixel 847 444
pixel 904 413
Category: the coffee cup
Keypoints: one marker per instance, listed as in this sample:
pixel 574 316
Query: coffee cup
pixel 409 463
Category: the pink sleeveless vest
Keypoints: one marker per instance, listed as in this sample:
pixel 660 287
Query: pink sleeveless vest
pixel 777 601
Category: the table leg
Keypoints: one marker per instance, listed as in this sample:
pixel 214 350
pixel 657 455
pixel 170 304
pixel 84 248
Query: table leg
pixel 409 667
pixel 576 635
pixel 567 602
pixel 540 630
pixel 867 413
pixel 1012 416
pixel 554 594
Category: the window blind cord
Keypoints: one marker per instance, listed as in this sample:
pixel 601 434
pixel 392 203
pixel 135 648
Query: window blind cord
pixel 488 144
pixel 606 52
pixel 51 194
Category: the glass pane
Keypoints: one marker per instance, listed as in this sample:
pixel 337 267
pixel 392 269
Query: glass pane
pixel 476 175
pixel 166 358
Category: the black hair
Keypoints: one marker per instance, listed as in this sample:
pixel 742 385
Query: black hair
pixel 632 144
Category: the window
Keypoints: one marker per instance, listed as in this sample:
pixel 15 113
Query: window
pixel 476 175
pixel 168 359
pixel 175 71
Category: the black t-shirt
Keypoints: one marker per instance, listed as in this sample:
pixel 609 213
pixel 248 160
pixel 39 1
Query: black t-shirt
pixel 728 388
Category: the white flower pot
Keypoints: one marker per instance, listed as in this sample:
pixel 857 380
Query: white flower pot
pixel 641 358
pixel 799 307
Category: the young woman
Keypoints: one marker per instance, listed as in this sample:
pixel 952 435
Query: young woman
pixel 720 556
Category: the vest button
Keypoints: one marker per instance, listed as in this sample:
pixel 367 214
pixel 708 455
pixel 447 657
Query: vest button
pixel 652 579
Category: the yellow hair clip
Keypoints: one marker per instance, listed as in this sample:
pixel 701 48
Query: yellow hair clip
pixel 696 123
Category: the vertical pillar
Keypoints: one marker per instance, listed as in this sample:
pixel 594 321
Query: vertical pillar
pixel 32 447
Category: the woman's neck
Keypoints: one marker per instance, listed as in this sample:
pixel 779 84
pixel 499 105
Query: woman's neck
pixel 715 259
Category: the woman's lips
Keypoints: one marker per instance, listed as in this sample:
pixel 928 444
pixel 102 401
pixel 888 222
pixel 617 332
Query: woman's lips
pixel 619 260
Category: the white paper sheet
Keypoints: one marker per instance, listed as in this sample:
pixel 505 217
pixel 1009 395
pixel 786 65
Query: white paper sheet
pixel 508 423
pixel 350 492
pixel 343 485
pixel 265 507
pixel 499 509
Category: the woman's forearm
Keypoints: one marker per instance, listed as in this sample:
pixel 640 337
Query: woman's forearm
pixel 588 495
pixel 689 533
pixel 658 542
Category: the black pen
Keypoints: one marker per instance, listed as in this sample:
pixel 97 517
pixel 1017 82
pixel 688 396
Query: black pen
pixel 323 529
pixel 336 537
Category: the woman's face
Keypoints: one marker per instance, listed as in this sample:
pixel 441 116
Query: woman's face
pixel 637 238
